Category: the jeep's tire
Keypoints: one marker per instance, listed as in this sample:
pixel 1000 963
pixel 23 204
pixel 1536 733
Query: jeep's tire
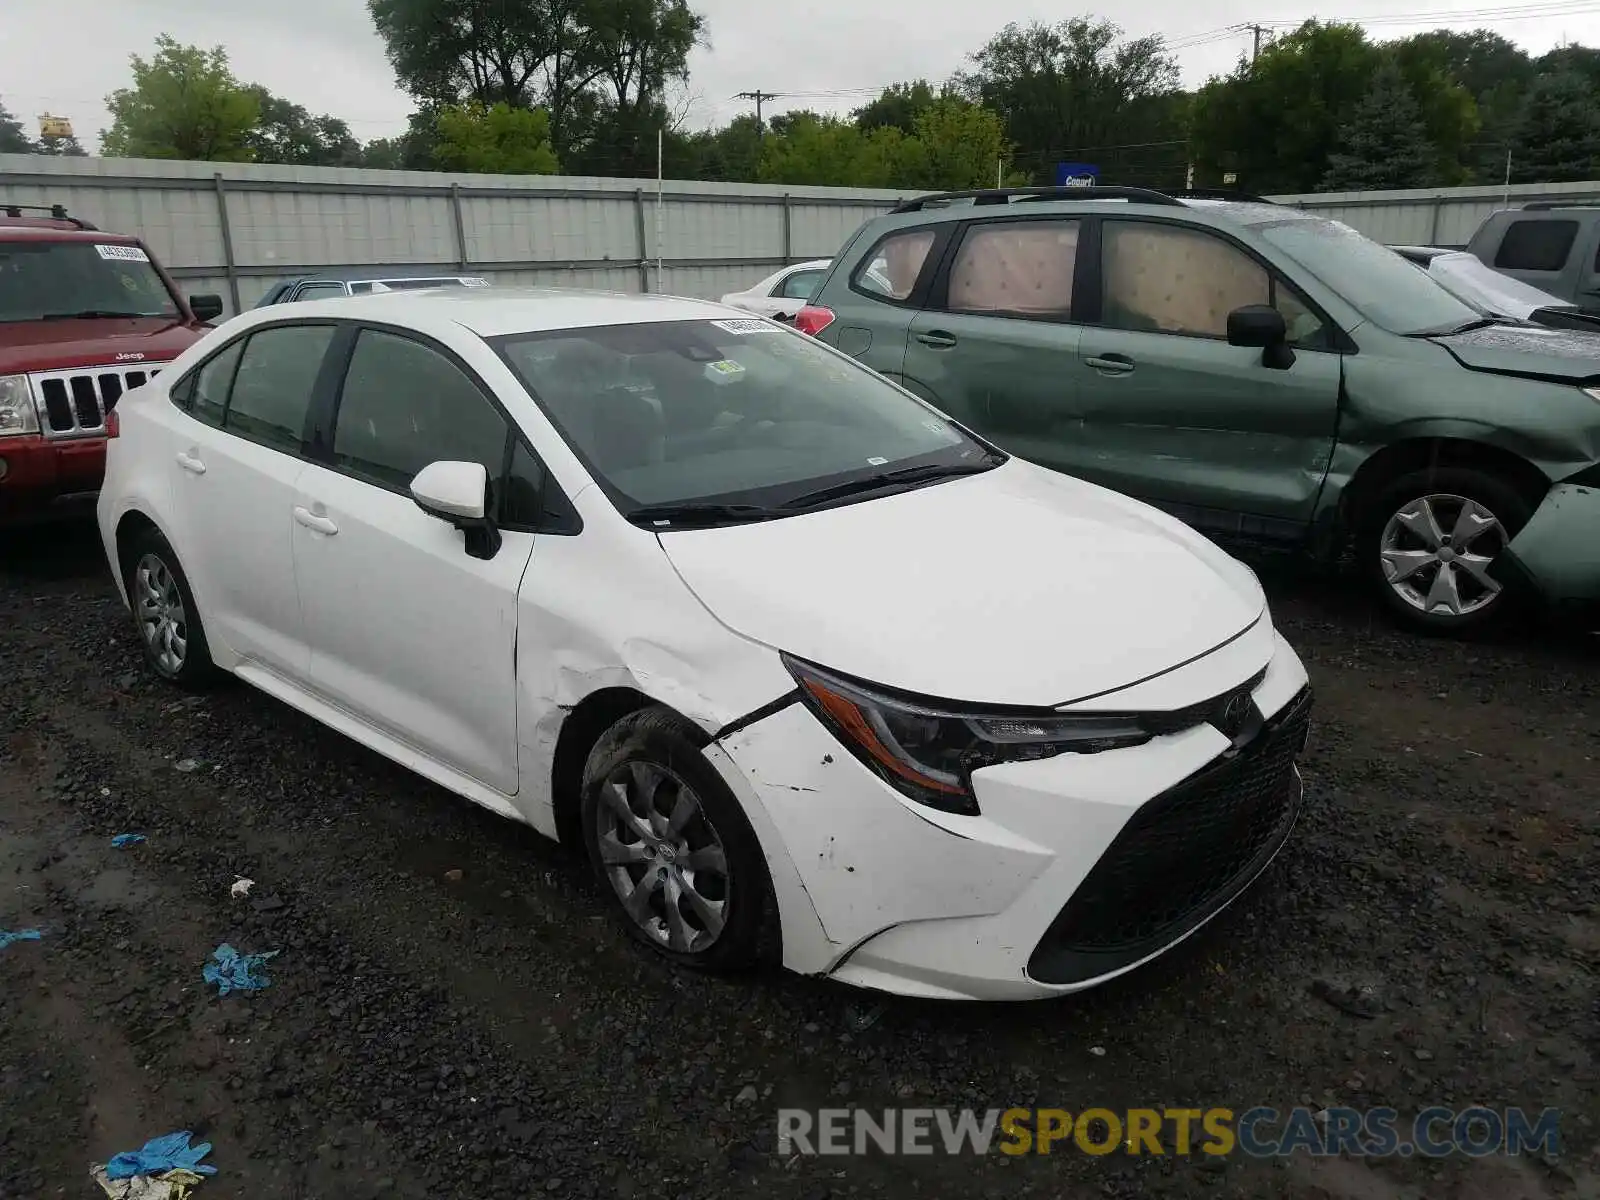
pixel 164 613
pixel 1427 541
pixel 675 855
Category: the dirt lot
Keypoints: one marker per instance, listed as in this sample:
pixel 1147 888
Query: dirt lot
pixel 492 1036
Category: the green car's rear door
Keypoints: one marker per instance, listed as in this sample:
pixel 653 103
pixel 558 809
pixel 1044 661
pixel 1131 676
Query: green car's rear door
pixel 995 348
pixel 1174 415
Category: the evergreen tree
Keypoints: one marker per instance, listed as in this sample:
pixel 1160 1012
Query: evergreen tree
pixel 1386 144
pixel 62 147
pixel 1558 131
pixel 13 138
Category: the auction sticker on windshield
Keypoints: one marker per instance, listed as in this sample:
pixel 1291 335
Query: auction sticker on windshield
pixel 125 253
pixel 748 326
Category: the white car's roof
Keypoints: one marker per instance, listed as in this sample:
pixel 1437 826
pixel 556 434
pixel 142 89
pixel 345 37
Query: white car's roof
pixel 495 311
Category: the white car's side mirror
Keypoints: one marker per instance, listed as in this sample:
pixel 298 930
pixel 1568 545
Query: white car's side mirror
pixel 458 492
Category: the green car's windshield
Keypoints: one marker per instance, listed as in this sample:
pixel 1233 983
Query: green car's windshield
pixel 730 416
pixel 1387 289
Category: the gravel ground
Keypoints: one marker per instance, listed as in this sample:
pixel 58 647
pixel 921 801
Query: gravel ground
pixel 487 1034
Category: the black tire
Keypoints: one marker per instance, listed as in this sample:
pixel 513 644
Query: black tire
pixel 664 745
pixel 1506 502
pixel 150 550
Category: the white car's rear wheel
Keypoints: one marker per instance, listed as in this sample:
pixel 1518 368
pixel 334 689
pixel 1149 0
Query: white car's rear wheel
pixel 164 613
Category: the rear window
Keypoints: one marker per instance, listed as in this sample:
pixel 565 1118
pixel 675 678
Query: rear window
pixel 1536 245
pixel 891 269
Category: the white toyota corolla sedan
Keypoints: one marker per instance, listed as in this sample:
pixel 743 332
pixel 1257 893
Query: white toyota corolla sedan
pixel 797 661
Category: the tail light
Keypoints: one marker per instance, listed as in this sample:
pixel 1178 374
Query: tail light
pixel 813 319
pixel 113 424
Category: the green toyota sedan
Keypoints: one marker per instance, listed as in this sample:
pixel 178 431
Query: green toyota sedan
pixel 1263 373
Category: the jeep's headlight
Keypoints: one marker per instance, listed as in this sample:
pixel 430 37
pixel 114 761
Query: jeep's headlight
pixel 17 414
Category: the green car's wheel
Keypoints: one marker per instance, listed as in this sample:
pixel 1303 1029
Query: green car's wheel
pixel 1428 540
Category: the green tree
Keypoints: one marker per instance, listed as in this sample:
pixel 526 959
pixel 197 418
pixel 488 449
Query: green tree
pixel 1276 121
pixel 1063 89
pixel 286 133
pixel 60 147
pixel 1385 144
pixel 13 137
pixel 497 140
pixel 897 107
pixel 184 103
pixel 805 148
pixel 1557 135
pixel 1447 109
pixel 954 145
pixel 411 150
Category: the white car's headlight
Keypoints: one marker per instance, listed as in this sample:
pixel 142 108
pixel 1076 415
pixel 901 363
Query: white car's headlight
pixel 17 414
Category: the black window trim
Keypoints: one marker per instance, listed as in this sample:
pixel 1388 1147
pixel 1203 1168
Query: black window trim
pixel 917 299
pixel 939 290
pixel 1092 278
pixel 308 286
pixel 558 515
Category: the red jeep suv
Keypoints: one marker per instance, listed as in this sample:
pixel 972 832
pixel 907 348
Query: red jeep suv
pixel 84 316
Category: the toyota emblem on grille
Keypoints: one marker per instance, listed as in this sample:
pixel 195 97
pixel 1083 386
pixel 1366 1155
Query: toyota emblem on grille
pixel 1234 713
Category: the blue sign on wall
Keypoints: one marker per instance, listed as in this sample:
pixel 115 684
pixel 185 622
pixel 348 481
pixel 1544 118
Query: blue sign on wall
pixel 1072 174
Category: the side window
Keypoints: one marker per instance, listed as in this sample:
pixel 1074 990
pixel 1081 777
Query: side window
pixel 404 405
pixel 1307 330
pixel 799 286
pixel 891 268
pixel 1015 268
pixel 211 384
pixel 319 290
pixel 1536 245
pixel 523 504
pixel 272 389
pixel 1168 279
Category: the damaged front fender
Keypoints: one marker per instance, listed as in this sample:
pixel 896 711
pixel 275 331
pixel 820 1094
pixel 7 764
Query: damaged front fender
pixel 1558 551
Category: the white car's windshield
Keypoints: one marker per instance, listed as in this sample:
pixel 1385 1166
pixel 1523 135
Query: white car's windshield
pixel 1383 286
pixel 728 412
pixel 41 281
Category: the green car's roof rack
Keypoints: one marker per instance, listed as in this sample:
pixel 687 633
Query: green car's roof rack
pixel 1008 195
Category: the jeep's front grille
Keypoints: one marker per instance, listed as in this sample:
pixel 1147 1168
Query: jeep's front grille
pixel 74 403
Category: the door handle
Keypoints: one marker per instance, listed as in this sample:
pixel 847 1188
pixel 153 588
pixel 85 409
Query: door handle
pixel 937 338
pixel 315 521
pixel 191 463
pixel 1111 364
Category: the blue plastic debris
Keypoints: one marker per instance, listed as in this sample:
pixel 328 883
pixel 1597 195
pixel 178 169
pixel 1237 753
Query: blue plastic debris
pixel 235 972
pixel 127 839
pixel 7 936
pixel 159 1155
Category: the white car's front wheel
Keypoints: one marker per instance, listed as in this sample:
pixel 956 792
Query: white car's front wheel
pixel 673 851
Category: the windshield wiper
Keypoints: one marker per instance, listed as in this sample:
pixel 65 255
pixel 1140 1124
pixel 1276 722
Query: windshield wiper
pixel 883 479
pixel 1480 323
pixel 90 313
pixel 692 513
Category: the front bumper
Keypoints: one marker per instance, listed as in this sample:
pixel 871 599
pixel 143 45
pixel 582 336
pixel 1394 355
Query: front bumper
pixel 1080 867
pixel 44 480
pixel 1558 552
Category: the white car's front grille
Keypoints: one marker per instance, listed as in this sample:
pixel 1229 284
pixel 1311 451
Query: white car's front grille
pixel 74 402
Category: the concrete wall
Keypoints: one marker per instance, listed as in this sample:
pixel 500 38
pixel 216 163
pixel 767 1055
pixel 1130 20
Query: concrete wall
pixel 237 228
pixel 1433 216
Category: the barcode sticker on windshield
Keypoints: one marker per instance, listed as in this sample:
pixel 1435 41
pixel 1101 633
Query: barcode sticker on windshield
pixel 125 253
pixel 748 325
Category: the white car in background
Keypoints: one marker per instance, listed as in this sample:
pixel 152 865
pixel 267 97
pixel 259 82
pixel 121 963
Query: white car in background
pixel 1468 278
pixel 783 293
pixel 771 640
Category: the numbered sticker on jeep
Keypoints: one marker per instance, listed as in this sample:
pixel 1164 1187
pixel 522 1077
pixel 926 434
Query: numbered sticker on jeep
pixel 748 325
pixel 124 253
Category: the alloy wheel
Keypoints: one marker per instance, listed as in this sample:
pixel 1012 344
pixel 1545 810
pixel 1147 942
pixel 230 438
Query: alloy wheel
pixel 1436 552
pixel 662 856
pixel 163 623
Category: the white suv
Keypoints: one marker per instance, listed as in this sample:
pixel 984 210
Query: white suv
pixel 785 650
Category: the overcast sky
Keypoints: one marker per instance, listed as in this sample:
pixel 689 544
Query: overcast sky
pixel 64 59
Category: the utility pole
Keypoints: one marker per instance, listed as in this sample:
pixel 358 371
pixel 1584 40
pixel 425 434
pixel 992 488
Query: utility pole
pixel 759 97
pixel 1255 47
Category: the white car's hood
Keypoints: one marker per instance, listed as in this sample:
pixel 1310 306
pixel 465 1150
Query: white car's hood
pixel 1017 586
